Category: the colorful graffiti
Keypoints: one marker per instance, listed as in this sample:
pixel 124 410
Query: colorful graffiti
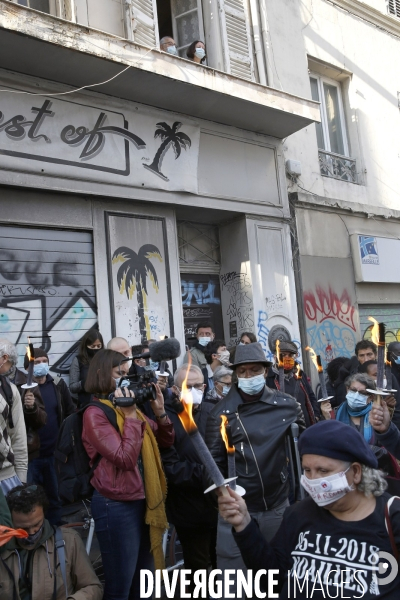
pixel 264 334
pixel 46 291
pixel 331 322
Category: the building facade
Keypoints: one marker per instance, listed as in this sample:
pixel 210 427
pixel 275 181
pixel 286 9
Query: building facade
pixel 139 190
pixel 144 192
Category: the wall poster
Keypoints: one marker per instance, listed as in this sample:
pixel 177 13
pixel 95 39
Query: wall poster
pixel 138 269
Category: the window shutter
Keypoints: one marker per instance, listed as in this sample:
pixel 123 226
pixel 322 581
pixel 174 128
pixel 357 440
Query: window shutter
pixel 393 7
pixel 236 39
pixel 69 10
pixel 144 22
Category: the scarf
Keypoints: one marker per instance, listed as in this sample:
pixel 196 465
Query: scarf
pixel 155 485
pixel 344 413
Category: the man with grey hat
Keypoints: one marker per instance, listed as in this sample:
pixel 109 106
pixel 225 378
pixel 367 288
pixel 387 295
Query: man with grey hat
pixel 260 420
pixel 295 385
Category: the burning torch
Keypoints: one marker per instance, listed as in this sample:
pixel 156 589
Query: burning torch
pixel 378 337
pixel 280 366
pixel 316 358
pixel 189 425
pixel 226 434
pixel 31 356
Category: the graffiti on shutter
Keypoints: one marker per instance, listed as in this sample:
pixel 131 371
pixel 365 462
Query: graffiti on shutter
pixel 47 290
pixel 236 39
pixel 144 22
pixel 384 313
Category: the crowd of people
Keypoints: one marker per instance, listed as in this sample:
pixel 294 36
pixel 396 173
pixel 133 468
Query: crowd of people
pixel 147 474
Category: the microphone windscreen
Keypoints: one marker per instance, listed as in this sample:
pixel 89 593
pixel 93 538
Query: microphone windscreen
pixel 165 350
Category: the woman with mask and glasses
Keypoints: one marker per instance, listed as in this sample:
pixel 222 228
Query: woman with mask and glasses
pixel 129 482
pixel 90 344
pixel 355 411
pixel 332 542
pixel 197 52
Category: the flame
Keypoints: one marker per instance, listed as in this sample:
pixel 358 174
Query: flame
pixel 314 358
pixel 224 422
pixel 28 350
pixel 278 353
pixel 186 416
pixel 298 371
pixel 374 330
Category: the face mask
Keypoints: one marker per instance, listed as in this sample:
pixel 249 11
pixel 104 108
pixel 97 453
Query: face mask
pixel 195 397
pixel 92 351
pixel 154 365
pixel 203 341
pixel 31 540
pixel 355 400
pixel 125 382
pixel 200 53
pixel 326 490
pixel 288 363
pixel 242 344
pixel 226 389
pixel 223 357
pixel 9 371
pixel 251 385
pixel 41 370
pixel 396 360
pixel 172 50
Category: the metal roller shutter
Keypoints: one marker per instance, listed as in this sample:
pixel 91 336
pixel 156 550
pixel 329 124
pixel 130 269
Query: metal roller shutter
pixel 47 290
pixel 386 313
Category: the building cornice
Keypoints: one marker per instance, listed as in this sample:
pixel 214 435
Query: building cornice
pixel 368 13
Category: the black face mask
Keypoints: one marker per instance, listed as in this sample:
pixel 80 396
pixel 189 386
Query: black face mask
pixel 92 351
pixel 33 539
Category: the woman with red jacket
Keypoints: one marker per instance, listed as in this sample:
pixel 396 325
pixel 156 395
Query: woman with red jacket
pixel 129 482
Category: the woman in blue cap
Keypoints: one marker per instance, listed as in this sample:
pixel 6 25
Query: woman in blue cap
pixel 330 544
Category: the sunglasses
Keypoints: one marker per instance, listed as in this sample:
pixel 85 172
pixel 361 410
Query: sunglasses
pixel 28 490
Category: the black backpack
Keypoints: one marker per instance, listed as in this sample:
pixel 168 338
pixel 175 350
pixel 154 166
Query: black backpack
pixel 71 460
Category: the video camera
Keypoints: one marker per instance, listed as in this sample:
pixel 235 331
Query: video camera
pixel 143 384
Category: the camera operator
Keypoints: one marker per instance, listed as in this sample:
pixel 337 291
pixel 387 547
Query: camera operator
pixel 130 487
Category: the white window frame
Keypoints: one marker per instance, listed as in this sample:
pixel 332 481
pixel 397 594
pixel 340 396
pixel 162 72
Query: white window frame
pixel 199 10
pixel 324 119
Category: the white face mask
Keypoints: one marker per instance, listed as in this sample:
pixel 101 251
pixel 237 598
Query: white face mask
pixel 326 490
pixel 194 397
pixel 200 53
pixel 223 358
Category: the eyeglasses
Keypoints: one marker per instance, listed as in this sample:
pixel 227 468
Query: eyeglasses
pixel 197 386
pixel 28 490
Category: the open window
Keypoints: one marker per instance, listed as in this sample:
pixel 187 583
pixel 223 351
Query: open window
pixel 182 20
pixel 42 5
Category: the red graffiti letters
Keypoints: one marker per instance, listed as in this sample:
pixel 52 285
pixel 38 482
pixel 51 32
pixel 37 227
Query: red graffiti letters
pixel 326 304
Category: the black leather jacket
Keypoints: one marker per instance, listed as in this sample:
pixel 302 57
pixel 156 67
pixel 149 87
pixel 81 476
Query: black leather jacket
pixel 259 432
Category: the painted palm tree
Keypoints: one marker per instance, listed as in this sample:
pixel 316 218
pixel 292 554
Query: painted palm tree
pixel 132 276
pixel 169 137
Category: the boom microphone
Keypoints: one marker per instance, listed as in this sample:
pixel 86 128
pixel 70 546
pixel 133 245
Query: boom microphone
pixel 161 351
pixel 165 350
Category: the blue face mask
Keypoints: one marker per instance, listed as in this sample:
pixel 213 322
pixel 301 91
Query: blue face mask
pixel 355 400
pixel 172 50
pixel 226 389
pixel 153 365
pixel 203 341
pixel 125 382
pixel 200 53
pixel 396 360
pixel 41 370
pixel 251 385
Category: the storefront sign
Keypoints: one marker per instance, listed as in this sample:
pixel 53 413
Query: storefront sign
pixel 140 147
pixel 375 259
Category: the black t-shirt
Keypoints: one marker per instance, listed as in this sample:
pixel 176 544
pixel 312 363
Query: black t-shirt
pixel 312 539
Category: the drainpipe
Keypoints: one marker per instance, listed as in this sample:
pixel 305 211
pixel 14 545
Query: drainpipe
pixel 128 19
pixel 266 41
pixel 257 42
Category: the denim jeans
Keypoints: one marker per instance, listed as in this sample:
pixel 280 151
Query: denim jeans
pixel 42 471
pixel 124 541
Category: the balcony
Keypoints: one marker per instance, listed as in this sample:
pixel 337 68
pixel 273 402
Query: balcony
pixel 55 49
pixel 337 166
